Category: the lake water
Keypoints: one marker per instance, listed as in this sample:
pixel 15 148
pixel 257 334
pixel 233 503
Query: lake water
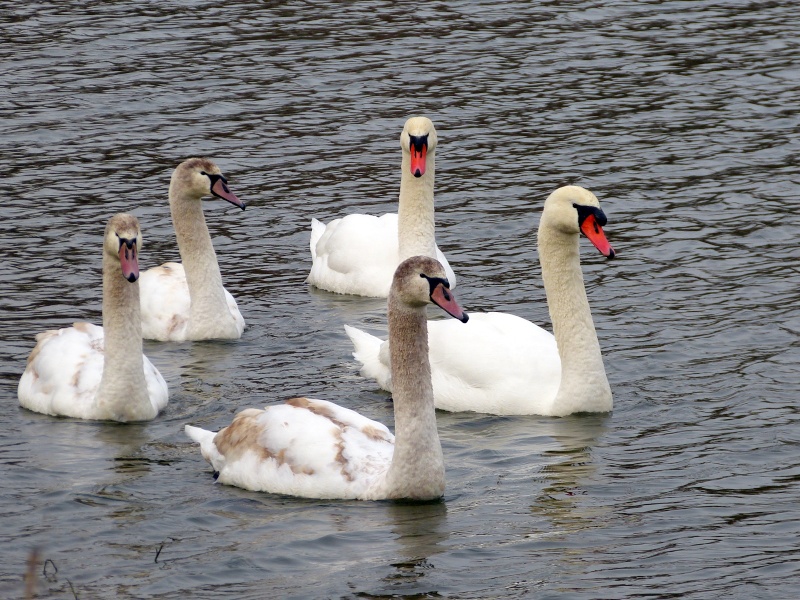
pixel 681 116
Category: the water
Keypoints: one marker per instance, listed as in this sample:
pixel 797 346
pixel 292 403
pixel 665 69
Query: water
pixel 681 116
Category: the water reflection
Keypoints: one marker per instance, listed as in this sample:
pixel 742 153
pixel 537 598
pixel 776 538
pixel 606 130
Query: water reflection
pixel 420 532
pixel 124 463
pixel 568 471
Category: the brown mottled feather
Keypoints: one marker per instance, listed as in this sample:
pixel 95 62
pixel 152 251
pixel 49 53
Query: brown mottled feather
pixel 243 435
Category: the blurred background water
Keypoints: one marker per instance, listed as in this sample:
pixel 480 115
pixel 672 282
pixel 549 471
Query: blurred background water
pixel 682 116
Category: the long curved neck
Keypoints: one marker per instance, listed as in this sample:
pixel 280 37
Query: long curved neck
pixel 584 386
pixel 416 224
pixel 122 394
pixel 199 259
pixel 417 469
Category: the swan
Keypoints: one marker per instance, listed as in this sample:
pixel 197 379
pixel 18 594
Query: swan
pixel 187 301
pixel 358 254
pixel 100 373
pixel 505 365
pixel 317 449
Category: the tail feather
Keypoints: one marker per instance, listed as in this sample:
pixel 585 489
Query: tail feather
pixel 374 362
pixel 317 229
pixel 207 447
pixel 451 276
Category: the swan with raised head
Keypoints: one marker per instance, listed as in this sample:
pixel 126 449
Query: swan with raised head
pixel 317 449
pixel 100 373
pixel 503 364
pixel 186 301
pixel 359 253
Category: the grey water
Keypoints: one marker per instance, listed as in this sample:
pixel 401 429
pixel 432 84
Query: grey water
pixel 681 116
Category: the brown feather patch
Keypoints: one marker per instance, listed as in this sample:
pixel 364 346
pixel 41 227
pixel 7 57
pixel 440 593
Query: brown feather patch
pixel 242 436
pixel 374 433
pixel 325 411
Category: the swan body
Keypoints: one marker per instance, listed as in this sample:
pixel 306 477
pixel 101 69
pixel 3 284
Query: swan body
pixel 358 254
pixel 503 364
pixel 100 373
pixel 317 449
pixel 465 360
pixel 186 301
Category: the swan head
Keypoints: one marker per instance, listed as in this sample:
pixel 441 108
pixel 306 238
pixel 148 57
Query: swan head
pixel 418 139
pixel 420 280
pixel 573 210
pixel 123 240
pixel 196 178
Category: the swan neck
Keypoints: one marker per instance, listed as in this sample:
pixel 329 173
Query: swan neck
pixel 417 469
pixel 199 260
pixel 583 386
pixel 122 394
pixel 416 222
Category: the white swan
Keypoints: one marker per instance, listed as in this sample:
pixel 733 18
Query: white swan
pixel 358 254
pixel 92 372
pixel 505 365
pixel 317 449
pixel 187 301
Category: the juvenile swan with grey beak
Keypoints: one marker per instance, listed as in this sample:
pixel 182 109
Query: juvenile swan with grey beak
pixel 100 373
pixel 317 449
pixel 187 301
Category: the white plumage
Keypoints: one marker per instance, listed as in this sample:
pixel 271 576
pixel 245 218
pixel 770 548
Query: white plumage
pixel 497 363
pixel 167 306
pixel 503 364
pixel 306 447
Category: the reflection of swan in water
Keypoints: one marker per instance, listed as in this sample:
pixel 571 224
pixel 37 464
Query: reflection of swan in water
pixel 86 451
pixel 570 468
pixel 419 532
pixel 127 451
pixel 494 460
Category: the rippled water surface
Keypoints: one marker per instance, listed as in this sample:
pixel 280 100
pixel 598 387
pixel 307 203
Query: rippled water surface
pixel 681 116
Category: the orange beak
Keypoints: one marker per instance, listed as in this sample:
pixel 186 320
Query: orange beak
pixel 418 160
pixel 592 230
